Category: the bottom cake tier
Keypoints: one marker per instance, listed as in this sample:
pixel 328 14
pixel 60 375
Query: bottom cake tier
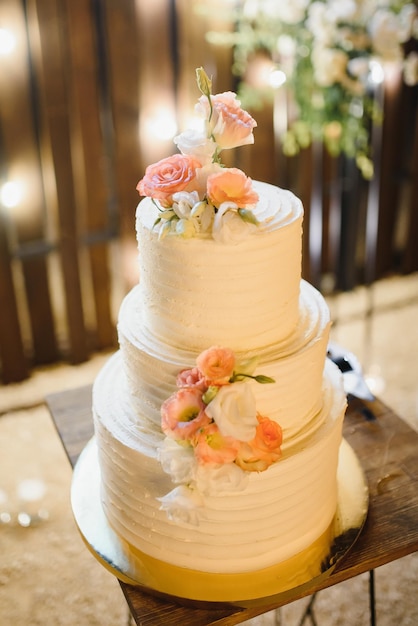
pixel 280 513
pixel 262 588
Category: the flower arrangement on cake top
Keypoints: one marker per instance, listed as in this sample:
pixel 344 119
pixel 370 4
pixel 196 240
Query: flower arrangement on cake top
pixel 214 434
pixel 194 192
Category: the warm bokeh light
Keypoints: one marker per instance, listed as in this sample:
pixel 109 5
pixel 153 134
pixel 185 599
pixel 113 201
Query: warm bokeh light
pixel 11 194
pixel 7 42
pixel 377 73
pixel 161 125
pixel 276 78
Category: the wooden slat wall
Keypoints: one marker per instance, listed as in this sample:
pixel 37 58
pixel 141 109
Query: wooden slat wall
pixel 78 97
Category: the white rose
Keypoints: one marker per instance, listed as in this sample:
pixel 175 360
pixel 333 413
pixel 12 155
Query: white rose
pixel 408 22
pixel 183 505
pixel 329 65
pixel 410 69
pixel 318 23
pixel 195 143
pixel 344 10
pixel 288 12
pixel 234 411
pixel 229 227
pixel 385 32
pixel 177 461
pixel 359 67
pixel 227 478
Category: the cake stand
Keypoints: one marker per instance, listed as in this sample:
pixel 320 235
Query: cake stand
pixel 195 588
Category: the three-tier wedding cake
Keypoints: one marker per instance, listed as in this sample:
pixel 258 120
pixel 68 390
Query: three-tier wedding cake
pixel 218 422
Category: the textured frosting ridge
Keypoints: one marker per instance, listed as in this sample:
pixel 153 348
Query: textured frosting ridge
pixel 279 513
pixel 292 401
pixel 193 293
pixel 246 296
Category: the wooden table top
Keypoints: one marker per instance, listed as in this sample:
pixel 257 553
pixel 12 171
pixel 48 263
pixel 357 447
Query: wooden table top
pixel 388 451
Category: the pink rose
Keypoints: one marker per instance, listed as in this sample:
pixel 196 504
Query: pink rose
pixel 182 414
pixel 229 125
pixel 191 378
pixel 168 176
pixel 216 364
pixel 212 448
pixel 262 451
pixel 231 185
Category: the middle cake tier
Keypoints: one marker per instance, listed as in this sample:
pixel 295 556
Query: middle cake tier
pixel 296 364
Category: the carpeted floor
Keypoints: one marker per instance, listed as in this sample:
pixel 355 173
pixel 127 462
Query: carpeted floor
pixel 47 576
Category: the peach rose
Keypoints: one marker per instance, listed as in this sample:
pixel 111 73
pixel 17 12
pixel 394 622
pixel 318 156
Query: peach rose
pixel 268 435
pixel 231 185
pixel 182 414
pixel 228 124
pixel 213 448
pixel 262 451
pixel 168 176
pixel 216 365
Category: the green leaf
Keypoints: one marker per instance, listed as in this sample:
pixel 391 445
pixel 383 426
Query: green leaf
pixel 260 378
pixel 209 394
pixel 264 379
pixel 248 216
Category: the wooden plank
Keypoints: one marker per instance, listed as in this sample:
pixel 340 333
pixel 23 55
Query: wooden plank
pixel 303 188
pixel 349 226
pixel 194 20
pixel 124 46
pixel 92 175
pixel 23 164
pixel 13 361
pixel 259 160
pixel 410 256
pixel 386 447
pixel 193 51
pixel 48 17
pixel 390 172
pixel 332 217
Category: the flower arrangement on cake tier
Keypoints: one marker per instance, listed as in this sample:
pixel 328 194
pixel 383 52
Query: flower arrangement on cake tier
pixel 214 434
pixel 194 192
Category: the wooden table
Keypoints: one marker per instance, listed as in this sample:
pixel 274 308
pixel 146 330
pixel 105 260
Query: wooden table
pixel 388 450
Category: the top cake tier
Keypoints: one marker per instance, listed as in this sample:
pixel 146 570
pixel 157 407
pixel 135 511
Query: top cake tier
pixel 199 292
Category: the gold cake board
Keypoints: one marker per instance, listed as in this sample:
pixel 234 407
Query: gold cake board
pixel 186 586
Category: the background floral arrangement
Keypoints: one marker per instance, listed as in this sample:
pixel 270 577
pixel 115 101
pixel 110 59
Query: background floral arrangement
pixel 194 193
pixel 214 434
pixel 331 53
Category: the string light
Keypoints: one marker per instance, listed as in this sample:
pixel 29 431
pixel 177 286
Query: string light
pixel 276 78
pixel 377 73
pixel 7 42
pixel 11 194
pixel 161 125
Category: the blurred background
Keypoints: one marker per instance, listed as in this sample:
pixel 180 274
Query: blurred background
pixel 93 91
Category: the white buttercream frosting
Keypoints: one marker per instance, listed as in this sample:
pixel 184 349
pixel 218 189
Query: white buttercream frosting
pixel 245 294
pixel 295 363
pixel 278 512
pixel 197 292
